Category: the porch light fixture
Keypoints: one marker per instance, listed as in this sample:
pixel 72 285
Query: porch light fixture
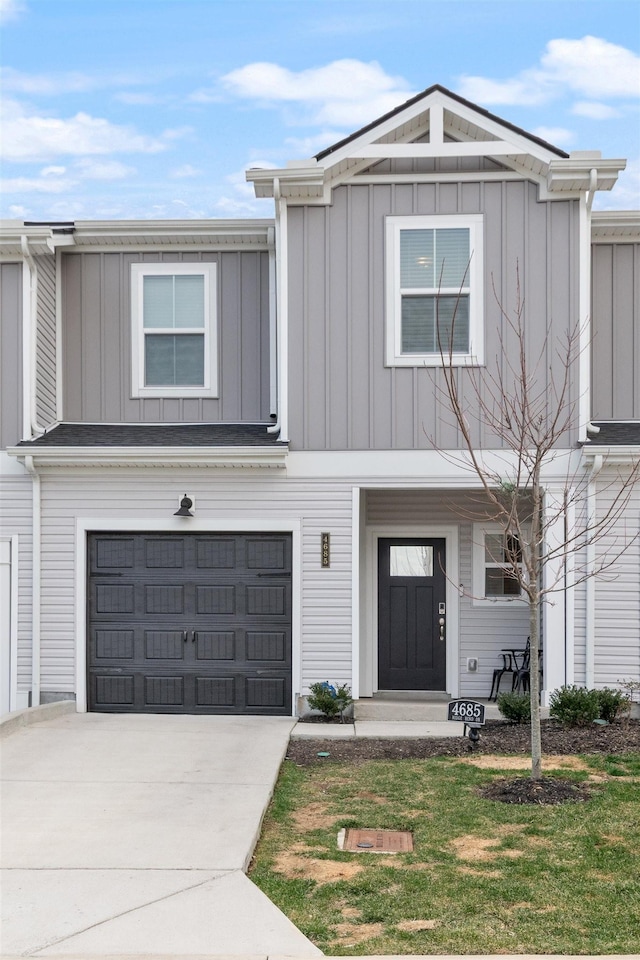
pixel 185 507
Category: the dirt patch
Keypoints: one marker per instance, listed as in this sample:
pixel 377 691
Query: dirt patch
pixel 495 762
pixel 351 934
pixel 471 872
pixel 480 848
pixel 314 817
pixel 294 866
pixel 350 912
pixel 409 926
pixel 371 797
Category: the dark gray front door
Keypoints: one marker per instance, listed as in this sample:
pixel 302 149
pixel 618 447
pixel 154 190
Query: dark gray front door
pixel 411 587
pixel 194 623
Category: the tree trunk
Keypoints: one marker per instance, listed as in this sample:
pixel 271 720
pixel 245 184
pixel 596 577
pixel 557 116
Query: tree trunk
pixel 534 689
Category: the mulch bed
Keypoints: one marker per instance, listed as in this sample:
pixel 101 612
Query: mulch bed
pixel 497 737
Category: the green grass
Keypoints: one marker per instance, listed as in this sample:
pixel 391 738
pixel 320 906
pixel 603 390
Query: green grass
pixel 484 877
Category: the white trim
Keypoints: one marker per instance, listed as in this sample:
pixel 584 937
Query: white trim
pixel 479 566
pixel 553 611
pixel 26 348
pixel 85 525
pixel 394 357
pixel 271 457
pixel 356 506
pixel 282 321
pixel 59 341
pixel 469 148
pixel 11 640
pixel 208 270
pixel 450 534
pixel 585 319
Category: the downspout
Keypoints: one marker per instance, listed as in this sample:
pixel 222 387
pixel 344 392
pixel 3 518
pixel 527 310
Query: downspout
pixel 281 425
pixel 36 580
pixel 273 339
pixel 590 585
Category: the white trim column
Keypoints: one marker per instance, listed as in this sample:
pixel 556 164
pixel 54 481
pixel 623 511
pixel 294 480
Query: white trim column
pixel 554 625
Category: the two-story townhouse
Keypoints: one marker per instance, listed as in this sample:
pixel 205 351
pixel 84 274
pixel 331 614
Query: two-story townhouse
pixel 228 468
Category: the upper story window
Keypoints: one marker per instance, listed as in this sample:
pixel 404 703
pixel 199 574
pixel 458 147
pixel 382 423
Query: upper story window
pixel 495 555
pixel 174 337
pixel 434 290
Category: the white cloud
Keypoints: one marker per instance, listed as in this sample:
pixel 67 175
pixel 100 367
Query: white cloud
pixel 344 93
pixel 42 184
pixel 28 137
pixel 595 111
pixel 626 193
pixel 185 172
pixel 591 66
pixel 51 84
pixel 103 169
pixel 557 136
pixel 18 212
pixel 11 10
pixel 309 146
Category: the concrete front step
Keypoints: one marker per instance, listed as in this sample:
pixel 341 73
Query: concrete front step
pixel 405 708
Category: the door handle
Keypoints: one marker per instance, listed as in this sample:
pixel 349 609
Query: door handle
pixel 441 622
pixel 185 635
pixel 194 637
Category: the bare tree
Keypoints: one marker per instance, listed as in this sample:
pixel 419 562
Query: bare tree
pixel 528 400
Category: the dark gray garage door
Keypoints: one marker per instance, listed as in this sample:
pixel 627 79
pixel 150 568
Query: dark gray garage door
pixel 190 624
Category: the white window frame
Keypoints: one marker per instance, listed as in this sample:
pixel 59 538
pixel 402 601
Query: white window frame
pixel 210 330
pixel 480 531
pixel 394 225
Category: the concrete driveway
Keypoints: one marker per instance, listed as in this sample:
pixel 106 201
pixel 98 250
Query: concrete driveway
pixel 130 834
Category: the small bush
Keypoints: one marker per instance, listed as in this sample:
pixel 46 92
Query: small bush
pixel 613 703
pixel 515 707
pixel 574 706
pixel 328 699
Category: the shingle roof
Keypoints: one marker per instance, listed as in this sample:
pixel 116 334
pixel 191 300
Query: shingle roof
pixel 155 435
pixel 615 433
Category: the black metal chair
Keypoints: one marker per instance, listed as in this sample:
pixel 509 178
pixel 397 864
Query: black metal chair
pixel 511 665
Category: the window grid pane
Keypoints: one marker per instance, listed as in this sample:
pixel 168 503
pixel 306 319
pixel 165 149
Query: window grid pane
pixel 434 259
pixel 174 360
pixel 173 302
pixel 430 322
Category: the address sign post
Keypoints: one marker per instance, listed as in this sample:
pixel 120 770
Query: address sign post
pixel 471 713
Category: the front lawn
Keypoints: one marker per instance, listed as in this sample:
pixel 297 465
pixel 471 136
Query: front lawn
pixel 484 877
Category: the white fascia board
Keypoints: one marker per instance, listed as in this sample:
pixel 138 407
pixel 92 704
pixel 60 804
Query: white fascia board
pixel 621 453
pixel 223 457
pixel 162 234
pixel 422 468
pixel 615 226
pixel 574 173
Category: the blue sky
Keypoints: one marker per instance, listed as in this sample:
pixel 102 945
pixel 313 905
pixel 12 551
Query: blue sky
pixel 154 108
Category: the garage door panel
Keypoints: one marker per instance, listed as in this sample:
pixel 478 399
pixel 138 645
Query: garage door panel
pixel 113 645
pixel 216 600
pixel 269 647
pixel 201 624
pixel 114 691
pixel 212 645
pixel 216 554
pixel 164 645
pixel 216 692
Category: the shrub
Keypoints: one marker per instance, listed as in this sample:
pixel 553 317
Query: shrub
pixel 574 706
pixel 515 707
pixel 612 703
pixel 328 699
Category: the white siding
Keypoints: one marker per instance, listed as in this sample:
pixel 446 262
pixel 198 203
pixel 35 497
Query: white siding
pixel 617 618
pixel 146 495
pixel 15 511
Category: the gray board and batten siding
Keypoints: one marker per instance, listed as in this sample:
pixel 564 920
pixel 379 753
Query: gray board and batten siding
pixel 616 331
pixel 96 297
pixel 341 394
pixel 10 354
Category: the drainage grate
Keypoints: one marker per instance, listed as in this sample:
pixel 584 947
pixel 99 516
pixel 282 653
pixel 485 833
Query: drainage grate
pixel 376 841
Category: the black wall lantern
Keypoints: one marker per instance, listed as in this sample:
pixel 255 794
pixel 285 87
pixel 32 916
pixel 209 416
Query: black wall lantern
pixel 185 507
